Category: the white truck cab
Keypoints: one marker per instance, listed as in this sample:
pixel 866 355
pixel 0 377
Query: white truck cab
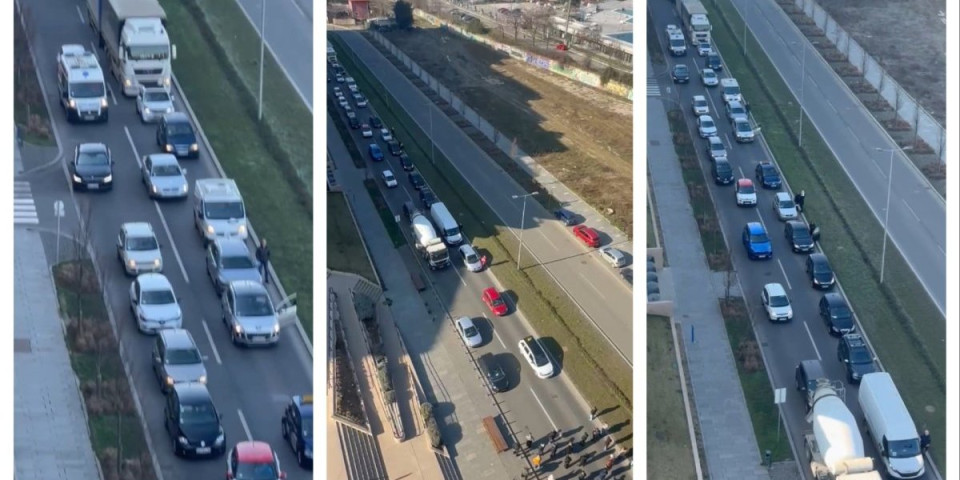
pixel 83 92
pixel 218 209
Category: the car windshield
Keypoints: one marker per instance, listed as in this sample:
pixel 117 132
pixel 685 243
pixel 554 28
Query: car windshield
pixel 680 69
pixel 539 357
pixel 179 129
pixel 731 91
pixel 904 448
pixel 746 189
pixel 87 90
pixel 141 244
pixel 157 297
pixel 183 356
pixel 99 159
pixel 256 471
pixel 743 126
pixel 148 52
pixel 820 267
pixel 222 210
pixel 786 204
pixel 472 258
pixel 707 123
pixel 198 414
pixel 156 97
pixel 839 312
pixel 700 103
pixel 759 238
pixel 470 331
pixel 254 305
pixel 717 147
pixel 166 171
pixel 238 261
pixel 860 355
pixel 779 301
pixel 710 74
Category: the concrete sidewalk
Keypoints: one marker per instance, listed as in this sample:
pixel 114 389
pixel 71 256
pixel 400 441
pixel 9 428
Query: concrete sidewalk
pixel 728 439
pixel 51 438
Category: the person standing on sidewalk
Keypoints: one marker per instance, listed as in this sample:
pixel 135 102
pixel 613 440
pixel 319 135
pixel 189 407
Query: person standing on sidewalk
pixel 263 256
pixel 593 413
pixel 583 439
pixel 925 440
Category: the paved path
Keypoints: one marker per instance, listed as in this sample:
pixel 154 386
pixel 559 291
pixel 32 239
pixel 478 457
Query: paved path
pixel 727 432
pixel 51 439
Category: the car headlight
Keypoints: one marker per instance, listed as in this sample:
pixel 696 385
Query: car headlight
pixel 103 102
pixel 185 187
pixel 242 229
pixel 73 103
pixel 210 229
pixel 132 263
pixel 194 147
pixel 156 262
pixel 202 379
pixel 153 188
pixel 817 281
pixel 108 178
pixel 126 82
pixel 168 110
pixel 77 179
pixel 182 440
pixel 166 81
pixel 146 110
pixel 276 328
pixel 220 439
pixel 238 329
pixel 168 147
pixel 169 380
pixel 856 375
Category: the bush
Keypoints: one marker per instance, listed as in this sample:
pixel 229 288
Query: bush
pixel 426 411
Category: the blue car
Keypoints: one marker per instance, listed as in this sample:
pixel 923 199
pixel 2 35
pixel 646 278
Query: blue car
pixel 297 426
pixel 565 216
pixel 375 153
pixel 756 241
pixel 768 176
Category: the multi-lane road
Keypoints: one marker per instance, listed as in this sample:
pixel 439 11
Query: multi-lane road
pixel 784 345
pixel 249 387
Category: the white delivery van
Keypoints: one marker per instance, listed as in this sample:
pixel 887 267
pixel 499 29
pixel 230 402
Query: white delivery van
pixel 218 209
pixel 83 92
pixel 447 226
pixel 890 426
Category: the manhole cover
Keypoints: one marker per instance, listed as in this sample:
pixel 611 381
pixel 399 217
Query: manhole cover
pixel 21 345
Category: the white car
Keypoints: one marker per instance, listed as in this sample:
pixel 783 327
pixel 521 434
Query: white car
pixel 366 131
pixel 153 303
pixel 138 248
pixel 700 105
pixel 704 49
pixel 614 257
pixel 784 207
pixel 348 109
pixel 715 148
pixel 469 332
pixel 471 259
pixel 362 102
pixel 344 103
pixel 537 357
pixel 746 193
pixel 385 134
pixel 776 303
pixel 153 103
pixel 389 179
pixel 706 126
pixel 339 78
pixel 337 91
pixel 709 77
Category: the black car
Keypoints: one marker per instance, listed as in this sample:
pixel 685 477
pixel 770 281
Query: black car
pixel 192 421
pixel 565 216
pixel 768 176
pixel 836 314
pixel 354 122
pixel 493 373
pixel 714 62
pixel 819 271
pixel 416 180
pixel 175 135
pixel 722 172
pixel 798 235
pixel 375 122
pixel 406 163
pixel 680 73
pixel 394 147
pixel 297 427
pixel 92 167
pixel 427 197
pixel 855 355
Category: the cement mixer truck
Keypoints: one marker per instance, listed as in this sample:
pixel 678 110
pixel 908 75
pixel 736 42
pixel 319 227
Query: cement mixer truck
pixel 428 244
pixel 835 447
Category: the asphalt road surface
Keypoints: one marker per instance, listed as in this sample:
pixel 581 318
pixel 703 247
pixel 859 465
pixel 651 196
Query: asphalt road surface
pixel 784 345
pixel 579 270
pixel 249 387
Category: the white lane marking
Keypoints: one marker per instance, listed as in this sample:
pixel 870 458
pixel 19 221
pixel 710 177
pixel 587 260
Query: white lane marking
pixel 912 212
pixel 112 96
pixel 163 220
pixel 80 14
pixel 535 397
pixel 243 422
pixel 213 346
pixel 741 171
pixel 595 289
pixel 784 271
pixel 810 336
pixel 302 11
pixel 757 210
pixel 545 237
pixel 495 334
pixel 941 249
pixel 457 272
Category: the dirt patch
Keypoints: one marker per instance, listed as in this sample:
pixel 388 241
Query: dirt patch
pixel 582 136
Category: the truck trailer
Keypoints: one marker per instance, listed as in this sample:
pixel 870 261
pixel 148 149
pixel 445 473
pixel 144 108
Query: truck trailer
pixel 695 20
pixel 835 447
pixel 427 243
pixel 134 36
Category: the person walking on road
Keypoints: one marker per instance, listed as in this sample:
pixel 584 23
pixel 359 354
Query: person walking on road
pixel 925 440
pixel 567 461
pixel 607 443
pixel 593 414
pixel 815 232
pixel 798 200
pixel 529 441
pixel 263 256
pixel 610 461
pixel 583 439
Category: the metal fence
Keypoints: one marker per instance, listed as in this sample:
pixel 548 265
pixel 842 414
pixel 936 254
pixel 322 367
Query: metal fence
pixel 926 127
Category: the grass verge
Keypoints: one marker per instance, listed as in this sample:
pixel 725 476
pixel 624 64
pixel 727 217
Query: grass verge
pixel 29 110
pixel 598 373
pixel 276 203
pixel 116 433
pixel 345 252
pixel 393 228
pixel 668 443
pixel 902 322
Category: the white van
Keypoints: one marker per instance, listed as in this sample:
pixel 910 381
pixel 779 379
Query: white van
pixel 731 90
pixel 447 226
pixel 218 209
pixel 890 426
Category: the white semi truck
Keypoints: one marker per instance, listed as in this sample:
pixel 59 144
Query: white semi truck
pixel 446 225
pixel 835 447
pixel 133 34
pixel 428 244
pixel 695 19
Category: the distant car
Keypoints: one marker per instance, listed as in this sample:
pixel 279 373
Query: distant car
pixel 427 197
pixel 715 148
pixel 153 102
pixel 722 172
pixel 405 163
pixel 469 332
pixel 471 259
pixel 856 357
pixel 836 314
pixel 339 78
pixel 614 257
pixel 348 109
pixel 353 122
pixel 366 131
pixel 361 100
pixel 176 359
pixel 175 135
pixel 709 77
pixel 743 131
pixel 337 91
pixel 537 357
pixel 297 428
pixel 700 105
pixel 153 303
pixel 756 241
pixel 229 260
pixel 784 207
pixel 375 153
pixel 680 73
pixel 494 301
pixel 746 193
pixel 705 126
pixel 565 216
pixel 714 61
pixel 767 175
pixel 416 180
pixel 344 103
pixel 493 373
pixel 164 178
pixel 249 315
pixel 587 235
pixel 375 122
pixel 193 422
pixel 388 179
pixel 138 249
pixel 776 303
pixel 736 110
pixel 394 147
pixel 254 460
pixel 385 134
pixel 819 271
pixel 704 48
pixel 92 167
pixel 798 236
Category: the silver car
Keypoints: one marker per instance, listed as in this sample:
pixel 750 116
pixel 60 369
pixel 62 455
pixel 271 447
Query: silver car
pixel 614 257
pixel 706 126
pixel 153 303
pixel 163 176
pixel 249 315
pixel 153 103
pixel 138 248
pixel 176 359
pixel 469 332
pixel 229 260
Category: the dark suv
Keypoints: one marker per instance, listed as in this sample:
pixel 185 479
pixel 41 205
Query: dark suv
pixel 837 314
pixel 175 135
pixel 768 176
pixel 819 271
pixel 192 421
pixel 807 374
pixel 493 373
pixel 376 123
pixel 855 355
pixel 798 234
pixel 297 427
pixel 722 172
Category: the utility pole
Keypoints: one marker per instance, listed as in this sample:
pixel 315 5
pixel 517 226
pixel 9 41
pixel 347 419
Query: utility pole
pixel 523 216
pixel 263 35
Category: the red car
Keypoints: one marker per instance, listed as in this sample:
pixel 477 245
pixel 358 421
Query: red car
pixel 254 461
pixel 587 235
pixel 494 302
pixel 562 47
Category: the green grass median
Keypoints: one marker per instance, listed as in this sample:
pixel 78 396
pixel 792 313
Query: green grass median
pixel 345 252
pixel 669 453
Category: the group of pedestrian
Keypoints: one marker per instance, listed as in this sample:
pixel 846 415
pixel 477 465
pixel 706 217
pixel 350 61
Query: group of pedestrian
pixel 555 447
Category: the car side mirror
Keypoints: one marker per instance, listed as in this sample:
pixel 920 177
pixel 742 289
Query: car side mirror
pixel 173 51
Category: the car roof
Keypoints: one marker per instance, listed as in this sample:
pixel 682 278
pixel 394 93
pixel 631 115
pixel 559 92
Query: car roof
pixel 468 247
pixel 699 97
pixel 374 146
pixel 613 252
pixel 192 392
pixel 176 117
pixel 465 322
pixel 163 159
pixel 814 368
pixel 92 147
pixel 855 340
pixel 774 289
pixel 818 258
pixel 154 281
pixel 783 196
pixel 137 229
pixel 744 182
pixel 714 139
pixel 388 172
pixel 705 117
pixel 247 286
pixel 232 247
pixel 765 165
pixel 709 70
pixel 834 299
pixel 798 225
pixel 755 227
pixel 254 451
pixel 177 338
pixel 491 291
pixel 304 404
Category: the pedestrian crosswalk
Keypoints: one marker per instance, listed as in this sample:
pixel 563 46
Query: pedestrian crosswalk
pixel 24 210
pixel 653 89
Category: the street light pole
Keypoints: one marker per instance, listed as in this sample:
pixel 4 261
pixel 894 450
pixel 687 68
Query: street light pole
pixel 263 35
pixel 433 159
pixel 523 216
pixel 886 213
